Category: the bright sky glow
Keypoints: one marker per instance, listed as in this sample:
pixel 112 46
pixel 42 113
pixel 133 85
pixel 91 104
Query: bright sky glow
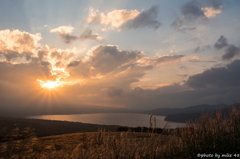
pixel 49 84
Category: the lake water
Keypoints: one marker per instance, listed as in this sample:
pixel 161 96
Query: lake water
pixel 122 119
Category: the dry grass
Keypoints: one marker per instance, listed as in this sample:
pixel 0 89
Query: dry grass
pixel 213 133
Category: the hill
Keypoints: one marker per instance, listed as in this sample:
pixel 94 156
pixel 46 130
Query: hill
pixel 188 113
pixel 51 127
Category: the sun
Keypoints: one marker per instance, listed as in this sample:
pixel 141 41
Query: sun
pixel 49 84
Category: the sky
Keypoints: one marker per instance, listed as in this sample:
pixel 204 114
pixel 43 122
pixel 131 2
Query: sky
pixel 131 54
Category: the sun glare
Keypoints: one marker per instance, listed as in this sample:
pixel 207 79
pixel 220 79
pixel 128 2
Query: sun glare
pixel 49 84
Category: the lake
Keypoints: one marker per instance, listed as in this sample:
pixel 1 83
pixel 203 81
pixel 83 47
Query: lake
pixel 122 119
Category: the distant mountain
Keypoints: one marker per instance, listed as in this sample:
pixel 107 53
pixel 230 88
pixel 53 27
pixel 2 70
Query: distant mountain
pixel 185 114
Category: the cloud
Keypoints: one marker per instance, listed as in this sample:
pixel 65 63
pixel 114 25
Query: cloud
pixel 59 54
pixel 202 48
pixel 87 34
pixel 45 63
pixel 59 64
pixel 73 63
pixel 201 9
pixel 172 58
pixel 113 19
pixel 65 31
pixel 219 77
pixel 211 8
pixel 23 73
pixel 107 75
pixel 211 12
pixel 194 11
pixel 161 59
pixel 42 54
pixel 197 49
pixel 180 26
pixel 221 43
pixel 231 52
pixel 107 58
pixel 114 91
pixel 17 43
pixel 124 19
pixel 146 19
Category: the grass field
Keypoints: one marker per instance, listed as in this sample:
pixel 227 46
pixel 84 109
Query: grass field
pixel 213 133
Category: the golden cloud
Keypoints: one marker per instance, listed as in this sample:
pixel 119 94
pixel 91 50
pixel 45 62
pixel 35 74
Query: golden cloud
pixel 18 41
pixel 211 12
pixel 63 30
pixel 113 19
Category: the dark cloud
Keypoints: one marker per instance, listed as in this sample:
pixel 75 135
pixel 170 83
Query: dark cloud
pixel 192 10
pixel 179 25
pixel 65 31
pixel 87 34
pixel 146 19
pixel 231 52
pixel 195 11
pixel 42 54
pixel 197 49
pixel 61 54
pixel 216 4
pixel 185 75
pixel 59 64
pixel 219 77
pixel 28 56
pixel 68 38
pixel 221 43
pixel 73 63
pixel 79 69
pixel 45 63
pixel 11 55
pixel 203 48
pixel 207 47
pixel 114 91
pixel 57 55
pixel 162 59
pixel 168 58
pixel 107 58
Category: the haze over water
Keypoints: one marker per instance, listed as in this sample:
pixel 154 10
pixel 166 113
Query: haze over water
pixel 123 119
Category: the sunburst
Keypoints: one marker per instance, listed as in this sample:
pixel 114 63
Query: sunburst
pixel 49 84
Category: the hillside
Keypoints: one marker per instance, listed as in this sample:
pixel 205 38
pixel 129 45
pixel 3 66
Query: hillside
pixel 193 114
pixel 50 127
pixel 188 113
